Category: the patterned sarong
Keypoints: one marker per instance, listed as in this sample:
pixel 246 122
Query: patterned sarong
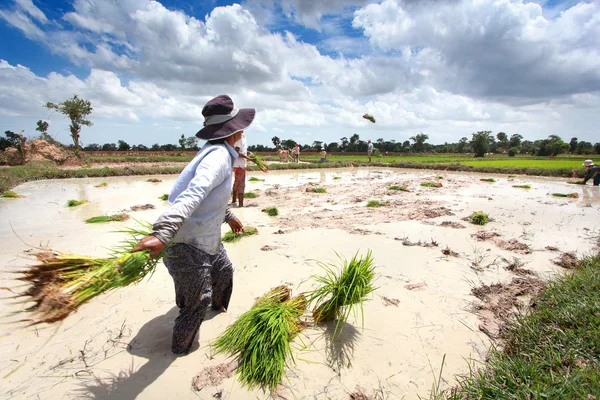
pixel 239 183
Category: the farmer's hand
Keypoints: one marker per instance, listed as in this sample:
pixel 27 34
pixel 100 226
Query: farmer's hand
pixel 150 243
pixel 236 226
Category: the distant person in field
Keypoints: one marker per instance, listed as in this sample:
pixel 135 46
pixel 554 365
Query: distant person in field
pixel 239 170
pixel 323 155
pixel 296 153
pixel 369 149
pixel 592 170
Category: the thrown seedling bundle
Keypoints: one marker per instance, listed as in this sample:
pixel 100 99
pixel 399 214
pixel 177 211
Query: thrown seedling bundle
pixel 260 163
pixel 260 338
pixel 343 290
pixel 369 117
pixel 60 283
pixel 231 237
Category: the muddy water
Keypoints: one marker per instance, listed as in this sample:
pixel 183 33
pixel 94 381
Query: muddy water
pixel 117 346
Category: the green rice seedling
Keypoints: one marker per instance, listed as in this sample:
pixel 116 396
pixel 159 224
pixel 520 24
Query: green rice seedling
pixel 250 195
pixel 9 194
pixel 60 283
pixel 439 177
pixel 399 188
pixel 260 163
pixel 343 290
pixel 101 185
pixel 75 203
pixel 320 190
pixel 272 211
pixel 255 179
pixel 576 183
pixel 335 178
pixel 570 195
pixel 107 218
pixel 479 218
pixel 260 338
pixel 522 186
pixel 375 203
pixel 512 176
pixel 487 180
pixel 164 197
pixel 369 117
pixel 432 184
pixel 154 180
pixel 231 237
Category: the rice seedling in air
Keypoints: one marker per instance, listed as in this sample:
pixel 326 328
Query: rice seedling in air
pixel 271 211
pixel 231 237
pixel 260 163
pixel 60 283
pixel 320 190
pixel 343 290
pixel 154 180
pixel 164 197
pixel 375 203
pixel 369 117
pixel 569 195
pixel 522 186
pixel 479 218
pixel 260 338
pixel 488 180
pixel 432 184
pixel 250 195
pixel 75 203
pixel 107 218
pixel 101 185
pixel 9 194
pixel 399 188
pixel 255 179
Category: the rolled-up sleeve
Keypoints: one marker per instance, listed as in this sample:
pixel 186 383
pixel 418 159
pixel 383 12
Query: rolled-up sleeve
pixel 229 215
pixel 210 173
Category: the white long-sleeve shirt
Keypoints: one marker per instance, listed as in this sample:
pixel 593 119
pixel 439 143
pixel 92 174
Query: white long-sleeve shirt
pixel 199 200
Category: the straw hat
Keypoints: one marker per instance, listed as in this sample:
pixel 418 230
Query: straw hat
pixel 222 119
pixel 588 163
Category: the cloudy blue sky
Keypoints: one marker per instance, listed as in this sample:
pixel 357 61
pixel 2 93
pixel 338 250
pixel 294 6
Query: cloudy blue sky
pixel 311 68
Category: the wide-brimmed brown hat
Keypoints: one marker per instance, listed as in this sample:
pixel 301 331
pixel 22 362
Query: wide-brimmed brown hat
pixel 222 119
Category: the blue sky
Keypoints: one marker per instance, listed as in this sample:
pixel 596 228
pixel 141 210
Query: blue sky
pixel 311 69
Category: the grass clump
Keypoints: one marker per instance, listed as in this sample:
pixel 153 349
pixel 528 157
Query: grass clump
pixel 400 188
pixel 569 195
pixel 164 197
pixel 431 184
pixel 60 283
pixel 260 338
pixel 375 203
pixel 271 211
pixel 231 237
pixel 101 185
pixel 552 350
pixel 107 218
pixel 250 195
pixel 522 186
pixel 320 190
pixel 488 180
pixel 479 218
pixel 75 203
pixel 9 194
pixel 343 290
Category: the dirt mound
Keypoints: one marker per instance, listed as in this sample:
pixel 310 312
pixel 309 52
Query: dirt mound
pixel 39 150
pixel 426 213
pixel 500 302
pixel 213 375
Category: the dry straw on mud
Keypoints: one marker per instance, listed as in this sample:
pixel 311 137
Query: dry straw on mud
pixel 343 290
pixel 60 283
pixel 231 237
pixel 260 338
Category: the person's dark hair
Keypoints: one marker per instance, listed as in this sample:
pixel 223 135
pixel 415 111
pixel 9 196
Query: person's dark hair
pixel 217 141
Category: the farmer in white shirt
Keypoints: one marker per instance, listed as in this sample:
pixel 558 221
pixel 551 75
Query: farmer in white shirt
pixel 195 257
pixel 369 149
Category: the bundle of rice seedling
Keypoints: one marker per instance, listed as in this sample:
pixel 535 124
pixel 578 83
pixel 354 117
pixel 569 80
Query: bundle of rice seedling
pixel 61 283
pixel 272 211
pixel 231 237
pixel 431 184
pixel 255 179
pixel 369 117
pixel 400 188
pixel 570 195
pixel 522 186
pixel 9 194
pixel 101 185
pixel 488 180
pixel 164 197
pixel 107 218
pixel 479 218
pixel 250 195
pixel 335 178
pixel 343 291
pixel 320 190
pixel 75 203
pixel 576 183
pixel 260 338
pixel 375 203
pixel 153 180
pixel 260 163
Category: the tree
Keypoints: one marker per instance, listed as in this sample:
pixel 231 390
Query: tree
pixel 584 147
pixel 42 127
pixel 92 147
pixel 191 143
pixel 573 145
pixel 462 145
pixel 503 140
pixel 419 142
pixel 481 143
pixel 288 143
pixel 515 140
pixel 597 148
pixel 317 144
pixel 333 147
pixel 182 142
pixel 140 147
pixel 123 146
pixel 276 141
pixel 109 147
pixel 76 109
pixel 343 143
